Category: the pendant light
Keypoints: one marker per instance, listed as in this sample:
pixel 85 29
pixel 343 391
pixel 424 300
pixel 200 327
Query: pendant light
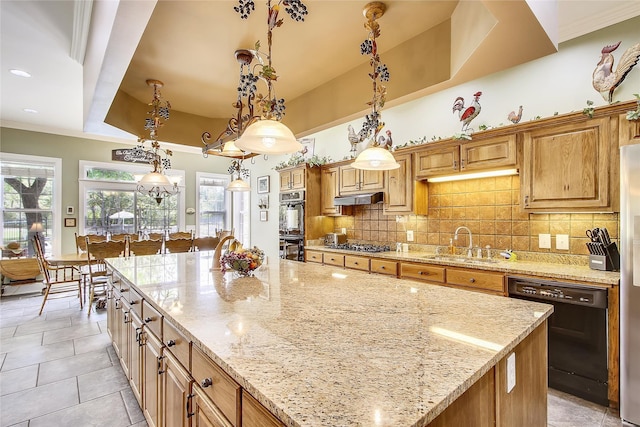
pixel 267 135
pixel 238 172
pixel 377 155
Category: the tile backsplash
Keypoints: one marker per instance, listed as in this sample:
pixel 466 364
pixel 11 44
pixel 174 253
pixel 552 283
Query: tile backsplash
pixel 489 208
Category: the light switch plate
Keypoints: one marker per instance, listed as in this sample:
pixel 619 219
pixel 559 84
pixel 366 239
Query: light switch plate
pixel 544 241
pixel 562 242
pixel 409 235
pixel 511 372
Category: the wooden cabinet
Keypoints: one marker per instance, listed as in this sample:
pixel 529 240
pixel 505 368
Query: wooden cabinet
pixel 329 185
pixel 567 167
pixel 176 343
pixel 466 156
pixel 125 320
pixel 353 181
pixel 136 340
pixel 356 262
pixel 477 280
pixel 292 179
pixel 175 393
pixel 152 368
pixel 382 266
pixel 334 259
pixel 256 415
pixel 429 273
pixel 402 194
pixel 313 256
pixel 206 413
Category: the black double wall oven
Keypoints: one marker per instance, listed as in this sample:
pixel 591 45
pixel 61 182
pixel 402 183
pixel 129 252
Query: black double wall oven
pixel 291 225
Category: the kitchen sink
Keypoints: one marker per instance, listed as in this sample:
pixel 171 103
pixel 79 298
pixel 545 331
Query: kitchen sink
pixel 461 259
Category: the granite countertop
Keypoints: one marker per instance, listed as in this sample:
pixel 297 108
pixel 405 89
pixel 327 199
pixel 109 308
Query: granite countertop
pixel 546 270
pixel 322 346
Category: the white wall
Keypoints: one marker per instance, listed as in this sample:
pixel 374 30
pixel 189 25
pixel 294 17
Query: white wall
pixel 557 83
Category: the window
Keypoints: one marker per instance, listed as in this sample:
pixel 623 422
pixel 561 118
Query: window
pixel 219 209
pixel 112 204
pixel 31 192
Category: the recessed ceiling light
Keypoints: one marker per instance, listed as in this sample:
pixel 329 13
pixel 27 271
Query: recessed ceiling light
pixel 30 110
pixel 19 73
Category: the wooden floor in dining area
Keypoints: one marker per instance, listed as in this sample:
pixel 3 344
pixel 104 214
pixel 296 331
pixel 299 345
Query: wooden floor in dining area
pixel 59 369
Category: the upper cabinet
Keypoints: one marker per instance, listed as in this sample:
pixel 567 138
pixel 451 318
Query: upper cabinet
pixel 353 181
pixel 568 167
pixel 329 186
pixel 466 156
pixel 403 195
pixel 292 179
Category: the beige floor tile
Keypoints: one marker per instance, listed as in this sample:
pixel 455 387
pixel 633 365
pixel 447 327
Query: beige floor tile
pixel 11 312
pixel 91 343
pixel 101 383
pixel 37 401
pixel 565 410
pixel 7 332
pixel 43 325
pixel 20 343
pixel 18 379
pixel 133 409
pixel 76 331
pixel 107 411
pixel 72 366
pixel 38 354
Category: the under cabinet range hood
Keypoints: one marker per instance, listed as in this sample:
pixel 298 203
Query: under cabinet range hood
pixel 359 199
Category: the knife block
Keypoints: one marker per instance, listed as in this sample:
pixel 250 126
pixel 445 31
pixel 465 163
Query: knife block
pixel 609 262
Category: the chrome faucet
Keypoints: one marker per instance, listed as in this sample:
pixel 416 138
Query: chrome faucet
pixel 455 237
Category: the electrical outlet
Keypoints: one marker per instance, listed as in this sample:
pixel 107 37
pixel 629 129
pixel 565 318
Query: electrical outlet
pixel 511 372
pixel 409 235
pixel 344 230
pixel 562 242
pixel 544 241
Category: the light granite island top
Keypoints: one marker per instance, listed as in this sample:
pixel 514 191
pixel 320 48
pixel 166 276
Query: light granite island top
pixel 322 346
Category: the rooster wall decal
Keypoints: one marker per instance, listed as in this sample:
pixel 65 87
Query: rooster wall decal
pixel 605 79
pixel 470 113
pixel 515 117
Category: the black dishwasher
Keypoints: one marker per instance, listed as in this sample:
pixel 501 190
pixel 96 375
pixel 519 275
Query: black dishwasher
pixel 577 337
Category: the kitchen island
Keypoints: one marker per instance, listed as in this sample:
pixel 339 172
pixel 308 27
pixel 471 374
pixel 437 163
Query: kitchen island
pixel 318 346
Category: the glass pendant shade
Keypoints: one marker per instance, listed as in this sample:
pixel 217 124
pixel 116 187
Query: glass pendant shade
pixel 375 158
pixel 231 150
pixel 155 179
pixel 238 185
pixel 268 137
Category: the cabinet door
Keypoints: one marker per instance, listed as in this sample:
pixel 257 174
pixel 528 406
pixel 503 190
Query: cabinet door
pixel 437 161
pixel 371 180
pixel 488 154
pixel 256 415
pixel 329 186
pixel 124 320
pixel 111 315
pixel 175 393
pixel 285 180
pixel 152 366
pixel 205 413
pixel 135 356
pixel 349 180
pixel 402 194
pixel 297 178
pixel 566 167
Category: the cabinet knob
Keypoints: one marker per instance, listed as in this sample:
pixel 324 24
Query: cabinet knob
pixel 206 382
pixel 148 320
pixel 472 280
pixel 382 267
pixel 134 302
pixel 171 343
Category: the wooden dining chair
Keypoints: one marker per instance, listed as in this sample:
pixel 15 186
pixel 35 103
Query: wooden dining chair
pixel 98 275
pixel 56 280
pixel 156 236
pixel 81 241
pixel 119 237
pixel 181 235
pixel 144 247
pixel 205 243
pixel 177 245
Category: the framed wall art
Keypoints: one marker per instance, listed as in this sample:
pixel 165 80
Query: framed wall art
pixel 69 222
pixel 263 184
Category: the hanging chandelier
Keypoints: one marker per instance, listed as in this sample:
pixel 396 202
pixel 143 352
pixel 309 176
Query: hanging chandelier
pixel 224 145
pixel 238 172
pixel 268 135
pixel 155 183
pixel 377 155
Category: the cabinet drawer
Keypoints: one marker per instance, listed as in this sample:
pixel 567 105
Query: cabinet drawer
pixel 152 319
pixel 493 282
pixel 334 259
pixel 381 266
pixel 176 342
pixel 313 256
pixel 254 414
pixel 424 272
pixel 223 391
pixel 135 300
pixel 356 262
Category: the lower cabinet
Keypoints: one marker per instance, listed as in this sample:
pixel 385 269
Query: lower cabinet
pixel 475 280
pixel 256 415
pixel 135 356
pixel 205 413
pixel 176 398
pixel 152 369
pixel 356 262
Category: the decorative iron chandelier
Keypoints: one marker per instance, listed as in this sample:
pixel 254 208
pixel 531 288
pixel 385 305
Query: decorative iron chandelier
pixel 377 155
pixel 224 145
pixel 267 135
pixel 155 183
pixel 238 172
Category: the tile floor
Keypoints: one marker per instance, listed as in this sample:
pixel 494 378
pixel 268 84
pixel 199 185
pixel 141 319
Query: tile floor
pixel 59 369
